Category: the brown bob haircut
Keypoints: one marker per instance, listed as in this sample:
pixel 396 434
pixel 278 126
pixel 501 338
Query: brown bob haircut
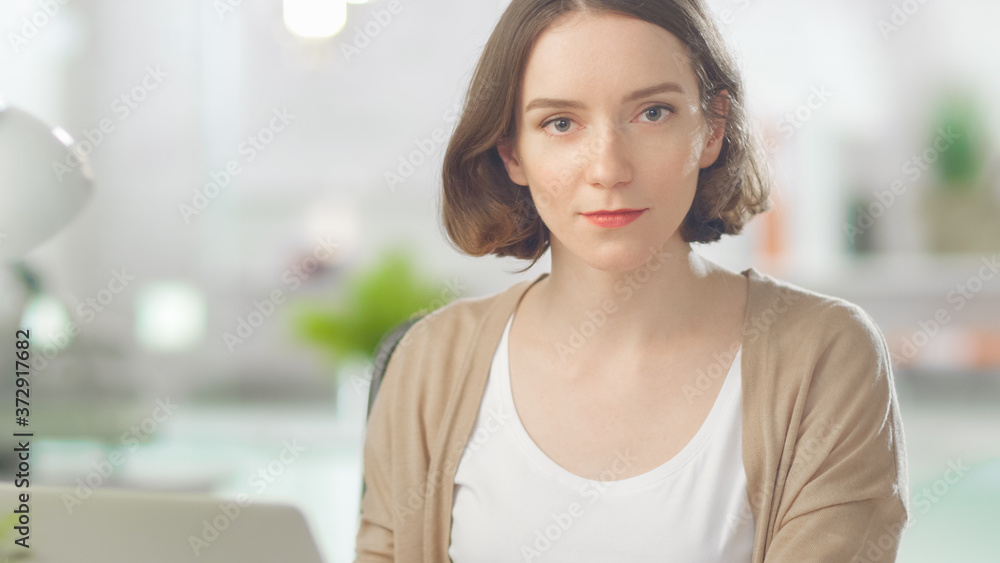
pixel 485 212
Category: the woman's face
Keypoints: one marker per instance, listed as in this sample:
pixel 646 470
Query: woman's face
pixel 609 119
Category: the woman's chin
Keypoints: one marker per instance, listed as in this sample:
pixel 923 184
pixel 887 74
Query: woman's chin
pixel 622 256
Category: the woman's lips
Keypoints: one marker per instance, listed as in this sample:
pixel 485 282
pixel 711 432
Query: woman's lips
pixel 613 220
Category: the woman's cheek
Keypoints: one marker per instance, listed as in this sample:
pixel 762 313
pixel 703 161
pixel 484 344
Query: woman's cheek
pixel 544 203
pixel 698 140
pixel 554 185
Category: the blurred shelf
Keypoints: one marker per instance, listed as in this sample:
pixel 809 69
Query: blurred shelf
pixel 942 386
pixel 218 449
pixel 905 275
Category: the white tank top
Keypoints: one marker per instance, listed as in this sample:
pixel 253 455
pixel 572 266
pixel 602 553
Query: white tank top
pixel 513 503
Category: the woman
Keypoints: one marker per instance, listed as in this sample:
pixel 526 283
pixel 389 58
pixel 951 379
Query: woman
pixel 638 403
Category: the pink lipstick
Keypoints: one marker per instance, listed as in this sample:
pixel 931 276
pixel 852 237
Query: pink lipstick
pixel 613 219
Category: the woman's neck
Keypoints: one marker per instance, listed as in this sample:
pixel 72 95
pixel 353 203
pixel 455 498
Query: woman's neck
pixel 675 296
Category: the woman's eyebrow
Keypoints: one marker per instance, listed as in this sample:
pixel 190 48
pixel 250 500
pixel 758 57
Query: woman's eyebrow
pixel 638 94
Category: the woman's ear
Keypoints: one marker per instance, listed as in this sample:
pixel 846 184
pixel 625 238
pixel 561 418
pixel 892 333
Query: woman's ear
pixel 512 162
pixel 717 131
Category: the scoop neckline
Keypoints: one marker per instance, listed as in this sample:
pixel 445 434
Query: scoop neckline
pixel 688 453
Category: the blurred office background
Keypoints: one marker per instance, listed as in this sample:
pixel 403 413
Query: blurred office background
pixel 263 168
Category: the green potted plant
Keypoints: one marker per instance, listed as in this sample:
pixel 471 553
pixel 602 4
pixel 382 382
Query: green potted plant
pixel 960 210
pixel 372 303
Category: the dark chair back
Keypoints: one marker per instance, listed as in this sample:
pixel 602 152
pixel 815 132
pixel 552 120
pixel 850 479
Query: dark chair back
pixel 383 351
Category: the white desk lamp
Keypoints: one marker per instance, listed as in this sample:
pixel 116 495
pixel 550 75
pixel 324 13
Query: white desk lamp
pixel 44 181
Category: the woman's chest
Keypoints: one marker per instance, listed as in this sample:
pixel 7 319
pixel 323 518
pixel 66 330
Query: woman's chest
pixel 584 427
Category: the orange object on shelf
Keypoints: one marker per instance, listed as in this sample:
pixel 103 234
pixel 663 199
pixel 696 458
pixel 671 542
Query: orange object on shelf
pixel 773 249
pixel 986 346
pixel 957 348
pixel 774 243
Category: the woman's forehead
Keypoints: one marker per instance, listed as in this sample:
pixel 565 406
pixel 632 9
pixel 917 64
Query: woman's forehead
pixel 604 55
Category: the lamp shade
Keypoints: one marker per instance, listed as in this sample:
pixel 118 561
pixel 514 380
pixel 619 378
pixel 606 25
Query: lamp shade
pixel 44 181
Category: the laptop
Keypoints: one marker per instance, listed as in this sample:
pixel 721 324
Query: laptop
pixel 128 526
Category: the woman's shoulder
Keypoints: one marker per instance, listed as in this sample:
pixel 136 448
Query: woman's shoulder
pixel 445 335
pixel 823 375
pixel 822 353
pixel 461 317
pixel 792 317
pixel 435 352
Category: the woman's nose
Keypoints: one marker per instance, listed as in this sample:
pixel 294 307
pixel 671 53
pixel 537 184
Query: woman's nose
pixel 607 158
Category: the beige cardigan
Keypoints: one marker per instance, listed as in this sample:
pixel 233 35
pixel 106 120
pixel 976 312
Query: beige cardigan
pixel 823 444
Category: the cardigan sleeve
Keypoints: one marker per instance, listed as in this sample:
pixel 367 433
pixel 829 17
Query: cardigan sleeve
pixel 845 496
pixel 374 542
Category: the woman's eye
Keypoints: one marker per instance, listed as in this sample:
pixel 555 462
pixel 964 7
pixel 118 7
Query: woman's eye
pixel 558 121
pixel 562 124
pixel 655 111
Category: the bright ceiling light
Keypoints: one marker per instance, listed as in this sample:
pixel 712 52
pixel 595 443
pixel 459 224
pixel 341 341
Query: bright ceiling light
pixel 315 18
pixel 170 316
pixel 48 321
